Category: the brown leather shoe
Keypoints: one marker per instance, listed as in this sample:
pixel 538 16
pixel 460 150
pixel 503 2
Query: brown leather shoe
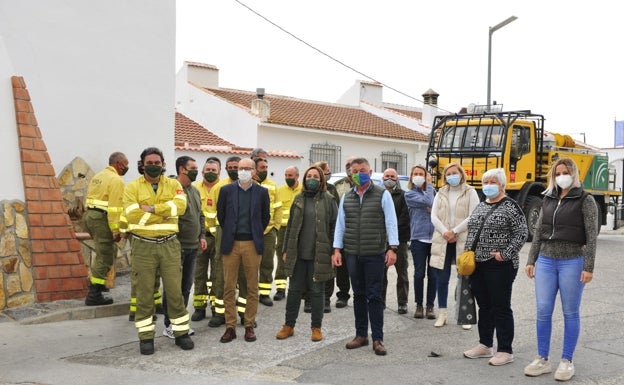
pixel 357 342
pixel 419 313
pixel 229 335
pixel 379 348
pixel 285 332
pixel 317 334
pixel 250 336
pixel 429 313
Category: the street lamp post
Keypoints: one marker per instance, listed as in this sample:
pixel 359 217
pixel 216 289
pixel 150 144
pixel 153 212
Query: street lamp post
pixel 489 75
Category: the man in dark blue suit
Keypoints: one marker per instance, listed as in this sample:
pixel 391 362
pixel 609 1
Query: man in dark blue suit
pixel 243 212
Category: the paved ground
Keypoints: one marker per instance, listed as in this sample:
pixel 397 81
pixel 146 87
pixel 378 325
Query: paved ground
pixel 99 345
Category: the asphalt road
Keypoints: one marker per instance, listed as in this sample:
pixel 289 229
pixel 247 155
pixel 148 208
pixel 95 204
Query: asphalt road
pixel 104 350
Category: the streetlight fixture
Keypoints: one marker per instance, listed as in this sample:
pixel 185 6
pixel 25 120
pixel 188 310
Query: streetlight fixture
pixel 489 76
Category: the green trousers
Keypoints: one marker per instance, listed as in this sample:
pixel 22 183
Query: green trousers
pixel 266 264
pixel 96 223
pixel 202 279
pixel 147 259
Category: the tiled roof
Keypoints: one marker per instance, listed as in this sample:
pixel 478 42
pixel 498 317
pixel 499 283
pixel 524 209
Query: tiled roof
pixel 410 113
pixel 322 116
pixel 191 136
pixel 191 132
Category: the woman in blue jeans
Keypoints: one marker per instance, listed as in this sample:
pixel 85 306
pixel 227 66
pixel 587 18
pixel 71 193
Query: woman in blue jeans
pixel 451 209
pixel 419 200
pixel 561 259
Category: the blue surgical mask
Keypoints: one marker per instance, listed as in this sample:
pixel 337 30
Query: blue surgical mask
pixel 490 190
pixel 453 180
pixel 361 178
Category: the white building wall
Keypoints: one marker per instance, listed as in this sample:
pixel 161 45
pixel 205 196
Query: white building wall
pixel 299 140
pixel 13 187
pixel 100 75
pixel 221 117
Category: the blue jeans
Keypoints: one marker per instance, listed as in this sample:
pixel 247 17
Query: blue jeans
pixel 366 273
pixel 443 276
pixel 491 285
pixel 563 275
pixel 421 254
pixel 188 275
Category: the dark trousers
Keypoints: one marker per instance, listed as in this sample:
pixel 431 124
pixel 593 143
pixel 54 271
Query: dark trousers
pixel 491 286
pixel 188 274
pixel 402 283
pixel 421 255
pixel 301 281
pixel 342 281
pixel 366 274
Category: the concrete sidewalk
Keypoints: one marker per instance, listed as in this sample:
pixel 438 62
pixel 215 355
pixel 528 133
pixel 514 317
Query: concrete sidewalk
pixel 105 350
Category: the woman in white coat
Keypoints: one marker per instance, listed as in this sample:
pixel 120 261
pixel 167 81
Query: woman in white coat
pixel 451 209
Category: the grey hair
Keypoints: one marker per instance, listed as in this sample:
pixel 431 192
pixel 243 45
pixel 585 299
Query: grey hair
pixel 497 173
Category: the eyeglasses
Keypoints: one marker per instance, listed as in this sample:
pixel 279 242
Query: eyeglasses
pixel 245 168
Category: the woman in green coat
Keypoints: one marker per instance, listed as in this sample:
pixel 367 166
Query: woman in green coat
pixel 307 250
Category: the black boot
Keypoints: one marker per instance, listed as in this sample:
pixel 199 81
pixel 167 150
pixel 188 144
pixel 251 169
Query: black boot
pixel 95 297
pixel 198 315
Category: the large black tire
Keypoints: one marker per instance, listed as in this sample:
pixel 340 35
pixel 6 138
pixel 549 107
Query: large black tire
pixel 532 207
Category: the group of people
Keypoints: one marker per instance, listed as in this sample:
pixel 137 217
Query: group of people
pixel 222 235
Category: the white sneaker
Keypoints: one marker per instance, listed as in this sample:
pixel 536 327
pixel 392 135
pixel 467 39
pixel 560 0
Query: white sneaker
pixel 479 351
pixel 501 358
pixel 168 332
pixel 191 332
pixel 537 367
pixel 467 327
pixel 565 370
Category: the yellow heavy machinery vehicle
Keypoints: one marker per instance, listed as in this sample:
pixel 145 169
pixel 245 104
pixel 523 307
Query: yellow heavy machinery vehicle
pixel 517 142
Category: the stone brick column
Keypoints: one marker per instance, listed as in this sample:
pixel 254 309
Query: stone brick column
pixel 58 266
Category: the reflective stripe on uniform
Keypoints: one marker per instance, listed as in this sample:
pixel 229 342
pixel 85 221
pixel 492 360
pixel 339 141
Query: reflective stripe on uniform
pixel 98 281
pixel 180 320
pixel 97 204
pixel 264 288
pixel 280 284
pixel 145 218
pixel 173 227
pixel 145 325
pixel 173 207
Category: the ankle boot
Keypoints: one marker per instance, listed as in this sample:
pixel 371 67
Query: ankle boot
pixel 95 297
pixel 441 321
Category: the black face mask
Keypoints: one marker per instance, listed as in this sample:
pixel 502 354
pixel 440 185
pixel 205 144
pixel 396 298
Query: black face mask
pixel 233 174
pixel 124 170
pixel 210 177
pixel 192 174
pixel 262 176
pixel 153 170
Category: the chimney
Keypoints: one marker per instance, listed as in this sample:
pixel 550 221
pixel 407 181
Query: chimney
pixel 430 107
pixel 260 107
pixel 202 75
pixel 430 97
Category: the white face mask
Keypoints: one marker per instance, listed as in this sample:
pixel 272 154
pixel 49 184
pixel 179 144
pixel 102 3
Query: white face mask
pixel 564 181
pixel 244 175
pixel 418 180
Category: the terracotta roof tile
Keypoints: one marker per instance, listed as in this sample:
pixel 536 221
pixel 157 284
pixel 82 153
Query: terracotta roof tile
pixel 191 136
pixel 410 113
pixel 322 116
pixel 191 132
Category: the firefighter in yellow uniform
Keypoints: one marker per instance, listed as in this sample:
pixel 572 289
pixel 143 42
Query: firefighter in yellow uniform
pixel 158 308
pixel 203 294
pixel 152 204
pixel 104 205
pixel 286 193
pixel 270 233
pixel 216 270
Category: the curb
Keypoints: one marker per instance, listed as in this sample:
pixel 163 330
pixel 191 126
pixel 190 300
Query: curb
pixel 79 313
